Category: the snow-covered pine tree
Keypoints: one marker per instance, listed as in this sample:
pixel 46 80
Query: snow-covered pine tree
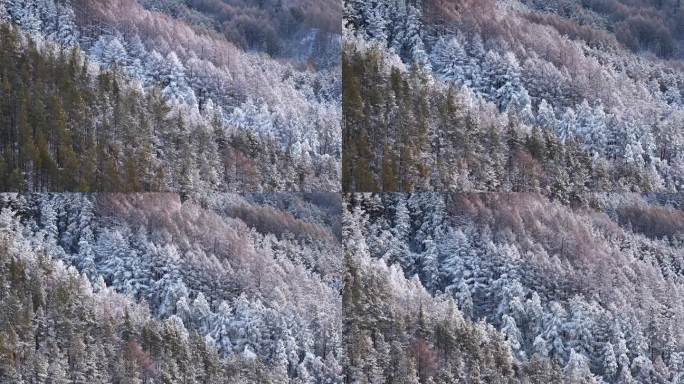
pixel 450 61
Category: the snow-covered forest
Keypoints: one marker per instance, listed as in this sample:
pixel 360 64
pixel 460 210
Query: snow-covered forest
pixel 342 192
pixel 514 287
pixel 143 288
pixel 558 97
pixel 237 108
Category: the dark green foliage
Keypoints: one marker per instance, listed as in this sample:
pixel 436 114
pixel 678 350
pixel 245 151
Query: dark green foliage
pixel 403 134
pixel 65 128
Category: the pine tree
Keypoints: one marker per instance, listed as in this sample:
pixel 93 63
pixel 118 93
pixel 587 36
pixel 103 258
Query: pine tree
pixel 58 368
pixel 398 251
pixel 513 335
pixel 109 51
pixel 610 364
pixel 4 15
pixel 449 60
pixel 414 40
pixel 546 117
pixel 567 125
pixel 376 21
pixel 430 266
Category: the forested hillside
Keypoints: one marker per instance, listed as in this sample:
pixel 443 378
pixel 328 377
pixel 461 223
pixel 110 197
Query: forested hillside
pixel 246 289
pixel 396 332
pixel 550 97
pixel 252 120
pixel 304 30
pixel 592 293
pixel 57 327
pixel 513 178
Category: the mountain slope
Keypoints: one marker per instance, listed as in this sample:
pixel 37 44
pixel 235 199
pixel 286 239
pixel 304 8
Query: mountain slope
pixel 534 68
pixel 397 332
pixel 594 289
pixel 275 120
pixel 254 281
pixel 57 327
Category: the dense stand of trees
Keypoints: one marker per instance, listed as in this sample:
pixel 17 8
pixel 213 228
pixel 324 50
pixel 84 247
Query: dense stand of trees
pixel 61 124
pixel 69 127
pixel 397 332
pixel 428 288
pixel 649 25
pixel 402 133
pixel 592 292
pixel 275 27
pixel 157 290
pixel 249 121
pixel 531 72
pixel 559 286
pixel 58 327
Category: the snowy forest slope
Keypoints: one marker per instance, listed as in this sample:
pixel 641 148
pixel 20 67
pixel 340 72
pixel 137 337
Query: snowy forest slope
pixel 272 121
pixel 395 331
pixel 58 327
pixel 594 291
pixel 524 68
pixel 302 30
pixel 257 284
